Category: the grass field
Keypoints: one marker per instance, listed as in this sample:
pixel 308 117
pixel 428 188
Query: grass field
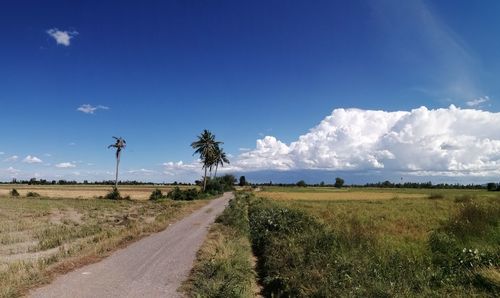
pixel 392 242
pixel 136 192
pixel 40 237
pixel 326 242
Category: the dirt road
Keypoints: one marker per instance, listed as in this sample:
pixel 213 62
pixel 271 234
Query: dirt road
pixel 152 267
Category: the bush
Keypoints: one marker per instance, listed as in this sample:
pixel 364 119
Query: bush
pixel 114 195
pixel 492 186
pixel 301 183
pixel 219 185
pixel 190 194
pixel 14 193
pixel 214 187
pixel 32 194
pixel 156 195
pixel 296 253
pixel 339 182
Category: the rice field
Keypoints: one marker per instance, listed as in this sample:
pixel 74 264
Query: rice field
pixel 40 237
pixel 136 192
pixel 389 242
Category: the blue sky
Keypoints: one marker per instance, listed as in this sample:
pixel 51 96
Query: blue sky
pixel 162 71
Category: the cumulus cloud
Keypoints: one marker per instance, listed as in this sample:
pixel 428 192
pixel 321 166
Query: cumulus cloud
pixel 62 37
pixel 89 109
pixel 176 168
pixel 447 142
pixel 65 165
pixel 32 159
pixel 11 158
pixel 450 141
pixel 477 101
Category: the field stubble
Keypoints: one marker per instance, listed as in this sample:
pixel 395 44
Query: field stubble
pixel 41 236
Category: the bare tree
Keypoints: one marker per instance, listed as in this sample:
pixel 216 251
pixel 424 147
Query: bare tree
pixel 119 145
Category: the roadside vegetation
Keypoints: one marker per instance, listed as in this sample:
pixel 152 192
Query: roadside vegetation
pixel 40 237
pixel 435 244
pixel 224 264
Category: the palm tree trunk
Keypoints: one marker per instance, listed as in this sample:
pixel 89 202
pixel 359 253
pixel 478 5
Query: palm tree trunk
pixel 216 167
pixel 205 179
pixel 116 177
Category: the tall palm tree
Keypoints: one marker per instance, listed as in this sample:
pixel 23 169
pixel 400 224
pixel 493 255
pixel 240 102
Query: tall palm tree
pixel 205 146
pixel 220 158
pixel 119 145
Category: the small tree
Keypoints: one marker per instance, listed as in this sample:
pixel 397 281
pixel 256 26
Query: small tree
pixel 243 181
pixel 156 195
pixel 14 193
pixel 301 183
pixel 339 182
pixel 491 186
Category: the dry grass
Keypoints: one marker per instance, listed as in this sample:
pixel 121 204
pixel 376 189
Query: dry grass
pixel 43 237
pixel 136 192
pixel 397 218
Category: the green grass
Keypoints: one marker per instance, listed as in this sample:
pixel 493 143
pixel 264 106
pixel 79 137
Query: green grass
pixel 444 245
pixel 224 263
pixel 41 236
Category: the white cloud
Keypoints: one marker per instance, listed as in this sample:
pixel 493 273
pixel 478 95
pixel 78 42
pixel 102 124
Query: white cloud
pixel 32 159
pixel 65 165
pixel 62 37
pixel 11 158
pixel 448 142
pixel 145 172
pixel 477 101
pixel 89 109
pixel 12 171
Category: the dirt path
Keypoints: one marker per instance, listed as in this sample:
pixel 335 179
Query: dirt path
pixel 152 267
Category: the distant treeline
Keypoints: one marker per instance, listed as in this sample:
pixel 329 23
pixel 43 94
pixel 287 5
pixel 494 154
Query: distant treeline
pixel 388 184
pixel 34 181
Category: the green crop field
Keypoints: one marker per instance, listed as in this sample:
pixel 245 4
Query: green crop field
pixel 325 242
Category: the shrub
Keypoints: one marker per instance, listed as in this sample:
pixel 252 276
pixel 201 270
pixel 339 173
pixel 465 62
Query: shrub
pixel 339 182
pixel 492 186
pixel 114 194
pixel 14 193
pixel 296 253
pixel 301 183
pixel 156 195
pixel 214 187
pixel 190 194
pixel 220 185
pixel 32 194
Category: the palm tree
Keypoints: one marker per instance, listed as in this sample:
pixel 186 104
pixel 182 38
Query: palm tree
pixel 205 146
pixel 119 145
pixel 220 158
